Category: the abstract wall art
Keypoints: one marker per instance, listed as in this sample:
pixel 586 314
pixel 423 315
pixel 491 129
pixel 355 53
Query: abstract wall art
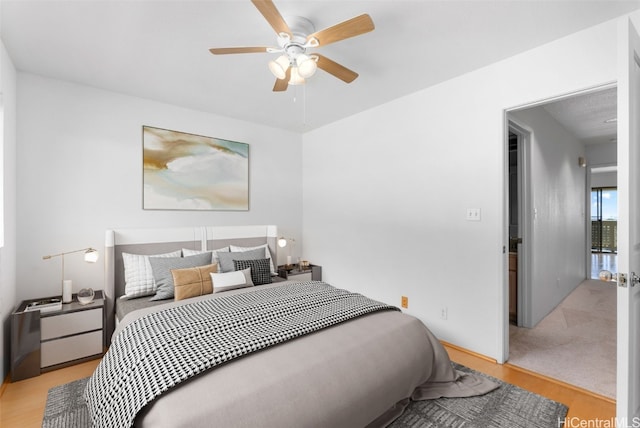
pixel 190 172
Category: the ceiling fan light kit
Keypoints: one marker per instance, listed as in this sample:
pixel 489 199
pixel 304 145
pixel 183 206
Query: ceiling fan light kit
pixel 306 65
pixel 302 67
pixel 295 36
pixel 279 66
pixel 295 78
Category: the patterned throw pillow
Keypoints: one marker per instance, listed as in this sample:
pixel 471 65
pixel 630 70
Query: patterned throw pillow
pixel 260 270
pixel 235 248
pixel 138 275
pixel 193 282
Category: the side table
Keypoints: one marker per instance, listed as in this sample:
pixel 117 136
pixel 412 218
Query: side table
pixel 313 273
pixel 44 341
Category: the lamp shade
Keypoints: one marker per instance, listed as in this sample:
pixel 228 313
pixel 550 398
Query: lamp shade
pixel 279 66
pixel 91 256
pixel 295 78
pixel 282 242
pixel 306 66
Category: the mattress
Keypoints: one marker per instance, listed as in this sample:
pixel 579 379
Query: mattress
pixel 360 373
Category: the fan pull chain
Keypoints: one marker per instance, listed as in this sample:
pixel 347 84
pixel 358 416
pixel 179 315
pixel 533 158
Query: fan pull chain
pixel 304 100
pixel 304 104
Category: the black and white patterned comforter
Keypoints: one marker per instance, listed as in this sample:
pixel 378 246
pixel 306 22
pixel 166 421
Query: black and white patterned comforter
pixel 160 350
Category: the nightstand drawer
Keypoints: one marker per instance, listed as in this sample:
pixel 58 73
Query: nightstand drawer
pixel 73 323
pixel 70 348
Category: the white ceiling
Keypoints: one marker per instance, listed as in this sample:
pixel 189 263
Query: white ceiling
pixel 159 49
pixel 588 117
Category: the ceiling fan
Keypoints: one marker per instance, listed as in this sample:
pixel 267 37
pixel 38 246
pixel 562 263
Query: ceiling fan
pixel 294 38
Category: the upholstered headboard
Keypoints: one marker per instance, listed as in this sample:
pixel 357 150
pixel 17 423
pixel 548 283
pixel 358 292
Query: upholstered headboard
pixel 158 241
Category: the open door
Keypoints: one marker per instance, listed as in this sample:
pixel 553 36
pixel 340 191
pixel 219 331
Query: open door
pixel 628 358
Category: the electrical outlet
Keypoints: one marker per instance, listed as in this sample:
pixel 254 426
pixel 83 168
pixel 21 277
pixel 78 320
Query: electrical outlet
pixel 443 313
pixel 405 302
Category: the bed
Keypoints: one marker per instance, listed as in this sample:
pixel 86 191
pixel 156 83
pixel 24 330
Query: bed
pixel 355 371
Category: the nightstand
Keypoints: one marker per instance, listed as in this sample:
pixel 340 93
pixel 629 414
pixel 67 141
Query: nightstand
pixel 313 273
pixel 44 341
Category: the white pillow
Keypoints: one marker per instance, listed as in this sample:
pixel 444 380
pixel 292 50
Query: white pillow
pixel 138 275
pixel 235 248
pixel 231 280
pixel 214 256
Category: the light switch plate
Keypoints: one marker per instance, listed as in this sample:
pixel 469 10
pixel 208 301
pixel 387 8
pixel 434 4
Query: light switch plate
pixel 473 214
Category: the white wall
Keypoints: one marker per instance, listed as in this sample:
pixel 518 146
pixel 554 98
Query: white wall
pixel 604 154
pixel 604 179
pixel 8 156
pixel 558 185
pixel 386 191
pixel 80 172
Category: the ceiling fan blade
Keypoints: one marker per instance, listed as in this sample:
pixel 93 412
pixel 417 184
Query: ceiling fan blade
pixel 226 51
pixel 282 84
pixel 332 67
pixel 273 17
pixel 350 28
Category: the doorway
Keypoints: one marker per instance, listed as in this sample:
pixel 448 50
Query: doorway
pixel 565 135
pixel 514 232
pixel 519 232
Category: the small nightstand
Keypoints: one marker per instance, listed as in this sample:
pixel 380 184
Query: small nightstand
pixel 313 273
pixel 44 341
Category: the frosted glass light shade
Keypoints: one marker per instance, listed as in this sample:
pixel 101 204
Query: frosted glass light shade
pixel 306 66
pixel 279 66
pixel 282 242
pixel 91 256
pixel 295 78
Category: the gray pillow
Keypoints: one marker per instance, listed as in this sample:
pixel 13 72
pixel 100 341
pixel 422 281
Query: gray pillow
pixel 225 260
pixel 162 266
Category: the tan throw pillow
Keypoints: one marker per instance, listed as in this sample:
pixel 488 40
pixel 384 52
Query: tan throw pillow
pixel 193 282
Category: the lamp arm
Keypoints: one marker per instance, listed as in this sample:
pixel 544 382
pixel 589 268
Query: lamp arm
pixel 68 252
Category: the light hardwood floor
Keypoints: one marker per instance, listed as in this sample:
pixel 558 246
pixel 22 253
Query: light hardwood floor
pixel 583 405
pixel 22 403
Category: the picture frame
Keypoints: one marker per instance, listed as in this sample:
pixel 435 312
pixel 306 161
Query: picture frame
pixel 183 171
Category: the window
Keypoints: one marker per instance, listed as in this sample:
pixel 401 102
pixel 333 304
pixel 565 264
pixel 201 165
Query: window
pixel 604 220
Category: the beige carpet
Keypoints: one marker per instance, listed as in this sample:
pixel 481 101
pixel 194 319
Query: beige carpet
pixel 576 343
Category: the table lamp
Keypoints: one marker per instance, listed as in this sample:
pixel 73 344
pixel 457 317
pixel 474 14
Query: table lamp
pixel 90 256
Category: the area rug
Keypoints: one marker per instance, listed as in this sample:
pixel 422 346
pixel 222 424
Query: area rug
pixel 505 407
pixel 508 406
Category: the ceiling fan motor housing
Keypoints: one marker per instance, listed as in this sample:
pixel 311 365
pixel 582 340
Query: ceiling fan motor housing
pixel 300 28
